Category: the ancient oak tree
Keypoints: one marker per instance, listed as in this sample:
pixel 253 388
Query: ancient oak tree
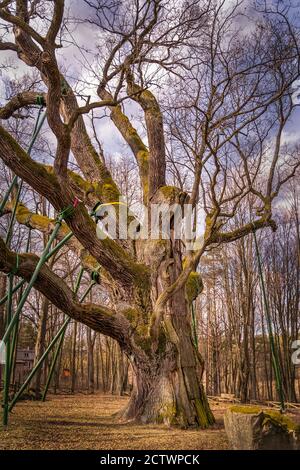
pixel 213 102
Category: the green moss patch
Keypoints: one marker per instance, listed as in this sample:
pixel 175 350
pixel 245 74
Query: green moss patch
pixel 246 409
pixel 282 420
pixel 193 286
pixel 271 416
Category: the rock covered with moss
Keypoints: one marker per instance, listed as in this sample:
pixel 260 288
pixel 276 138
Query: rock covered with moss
pixel 251 428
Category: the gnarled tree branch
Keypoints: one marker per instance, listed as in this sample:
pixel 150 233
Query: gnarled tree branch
pixel 97 317
pixel 107 252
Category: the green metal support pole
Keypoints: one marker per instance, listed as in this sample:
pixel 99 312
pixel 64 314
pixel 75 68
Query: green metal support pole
pixel 45 354
pixel 50 254
pixel 274 353
pixel 37 128
pixel 53 363
pixel 88 290
pixel 16 328
pixel 7 354
pixel 59 245
pixel 12 321
pixel 5 199
pixel 16 287
pixel 34 276
pixel 36 131
pixel 13 215
pixel 60 343
pixel 78 280
pixel 59 346
pixel 14 342
pixel 15 335
pixel 38 364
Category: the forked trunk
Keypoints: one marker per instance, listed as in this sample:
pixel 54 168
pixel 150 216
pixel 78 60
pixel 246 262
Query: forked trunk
pixel 167 387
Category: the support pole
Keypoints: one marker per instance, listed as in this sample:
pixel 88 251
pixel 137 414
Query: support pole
pixel 7 354
pixel 16 328
pixel 60 343
pixel 13 215
pixel 16 287
pixel 50 254
pixel 59 245
pixel 45 354
pixel 53 363
pixel 34 276
pixel 36 131
pixel 5 199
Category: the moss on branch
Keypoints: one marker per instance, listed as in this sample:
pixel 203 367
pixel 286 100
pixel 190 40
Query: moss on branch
pixel 194 286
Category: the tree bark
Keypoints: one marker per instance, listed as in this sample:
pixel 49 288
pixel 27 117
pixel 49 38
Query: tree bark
pixel 168 390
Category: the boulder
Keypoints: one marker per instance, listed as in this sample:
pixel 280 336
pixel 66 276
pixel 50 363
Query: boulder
pixel 251 428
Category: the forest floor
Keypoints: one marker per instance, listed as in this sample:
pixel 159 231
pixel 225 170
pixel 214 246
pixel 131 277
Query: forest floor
pixel 87 422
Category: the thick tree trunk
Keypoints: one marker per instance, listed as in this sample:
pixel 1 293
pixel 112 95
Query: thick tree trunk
pixel 171 394
pixel 168 388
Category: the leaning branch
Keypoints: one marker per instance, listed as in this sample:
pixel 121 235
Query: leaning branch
pixel 131 136
pixel 108 253
pixel 45 225
pixel 155 132
pixel 97 317
pixel 21 100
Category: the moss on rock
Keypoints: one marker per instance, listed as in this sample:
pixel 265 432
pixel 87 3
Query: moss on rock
pixel 285 422
pixel 247 409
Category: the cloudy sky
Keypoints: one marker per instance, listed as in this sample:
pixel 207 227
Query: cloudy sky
pixel 77 60
pixel 88 35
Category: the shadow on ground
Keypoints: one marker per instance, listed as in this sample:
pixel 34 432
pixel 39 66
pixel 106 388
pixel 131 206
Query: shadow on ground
pixel 88 422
